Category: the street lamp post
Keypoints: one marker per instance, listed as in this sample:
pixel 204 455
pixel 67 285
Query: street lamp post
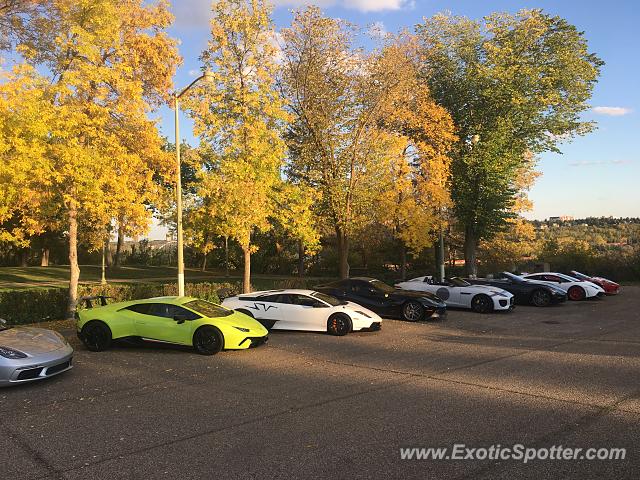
pixel 207 76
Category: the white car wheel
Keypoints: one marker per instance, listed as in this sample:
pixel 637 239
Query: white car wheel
pixel 481 304
pixel 339 324
pixel 576 293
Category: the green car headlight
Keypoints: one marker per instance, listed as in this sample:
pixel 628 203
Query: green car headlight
pixel 242 329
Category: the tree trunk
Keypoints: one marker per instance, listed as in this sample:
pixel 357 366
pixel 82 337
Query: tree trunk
pixel 117 259
pixel 24 258
pixel 226 257
pixel 343 253
pixel 44 258
pixel 246 274
pixel 107 252
pixel 204 263
pixel 300 259
pixel 103 272
pixel 470 247
pixel 403 262
pixel 73 261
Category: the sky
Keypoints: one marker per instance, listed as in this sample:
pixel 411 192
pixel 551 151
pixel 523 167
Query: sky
pixel 596 175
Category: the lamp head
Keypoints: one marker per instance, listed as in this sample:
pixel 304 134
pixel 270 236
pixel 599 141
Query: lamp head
pixel 208 77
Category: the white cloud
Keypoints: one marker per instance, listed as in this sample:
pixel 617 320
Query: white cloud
pixel 612 111
pixel 377 30
pixel 197 13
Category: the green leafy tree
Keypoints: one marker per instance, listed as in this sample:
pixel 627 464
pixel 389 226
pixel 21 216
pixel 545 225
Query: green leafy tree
pixel 518 83
pixel 294 213
pixel 349 107
pixel 240 116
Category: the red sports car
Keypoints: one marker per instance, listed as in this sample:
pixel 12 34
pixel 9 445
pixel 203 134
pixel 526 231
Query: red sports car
pixel 610 287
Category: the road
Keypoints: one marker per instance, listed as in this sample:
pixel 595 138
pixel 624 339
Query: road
pixel 315 406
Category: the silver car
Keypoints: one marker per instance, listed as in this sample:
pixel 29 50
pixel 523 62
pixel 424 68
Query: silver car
pixel 28 354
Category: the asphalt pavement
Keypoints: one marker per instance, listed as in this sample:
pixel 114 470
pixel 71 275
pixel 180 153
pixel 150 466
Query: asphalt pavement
pixel 311 405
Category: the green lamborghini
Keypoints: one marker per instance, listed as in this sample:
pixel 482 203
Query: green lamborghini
pixel 206 326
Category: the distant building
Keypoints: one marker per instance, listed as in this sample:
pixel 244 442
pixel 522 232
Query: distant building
pixel 561 218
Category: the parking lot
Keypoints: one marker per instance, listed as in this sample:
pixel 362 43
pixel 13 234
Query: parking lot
pixel 316 406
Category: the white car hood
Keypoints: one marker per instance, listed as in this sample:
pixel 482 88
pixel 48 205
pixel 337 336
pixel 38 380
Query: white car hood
pixel 489 290
pixel 567 285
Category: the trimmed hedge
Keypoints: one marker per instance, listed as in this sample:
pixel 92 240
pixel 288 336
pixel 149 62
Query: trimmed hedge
pixel 30 306
pixel 20 307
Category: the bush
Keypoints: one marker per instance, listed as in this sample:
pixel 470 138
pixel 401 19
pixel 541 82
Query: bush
pixel 30 306
pixel 21 307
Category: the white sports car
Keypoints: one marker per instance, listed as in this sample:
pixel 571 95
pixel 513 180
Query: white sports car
pixel 304 310
pixel 457 292
pixel 576 289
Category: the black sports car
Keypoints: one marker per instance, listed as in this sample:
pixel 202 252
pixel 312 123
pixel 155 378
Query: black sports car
pixel 526 292
pixel 385 300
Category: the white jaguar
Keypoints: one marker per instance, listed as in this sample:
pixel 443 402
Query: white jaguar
pixel 457 292
pixel 304 310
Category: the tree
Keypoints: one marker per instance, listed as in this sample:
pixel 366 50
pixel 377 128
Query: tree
pixel 107 62
pixel 240 116
pixel 348 106
pixel 294 213
pixel 509 247
pixel 203 225
pixel 137 193
pixel 328 138
pixel 12 15
pixel 25 114
pixel 516 82
pixel 421 133
pixel 517 239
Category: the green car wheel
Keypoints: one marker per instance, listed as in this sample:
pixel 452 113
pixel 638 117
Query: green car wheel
pixel 96 336
pixel 208 340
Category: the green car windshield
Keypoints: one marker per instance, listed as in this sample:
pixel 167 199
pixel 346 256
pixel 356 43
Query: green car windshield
pixel 208 309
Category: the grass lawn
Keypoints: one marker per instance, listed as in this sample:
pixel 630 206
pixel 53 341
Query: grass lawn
pixel 38 277
pixel 88 273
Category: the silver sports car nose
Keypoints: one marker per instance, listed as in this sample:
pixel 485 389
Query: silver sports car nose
pixel 31 354
pixel 32 341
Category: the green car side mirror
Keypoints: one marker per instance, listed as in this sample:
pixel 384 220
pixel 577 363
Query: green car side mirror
pixel 179 319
